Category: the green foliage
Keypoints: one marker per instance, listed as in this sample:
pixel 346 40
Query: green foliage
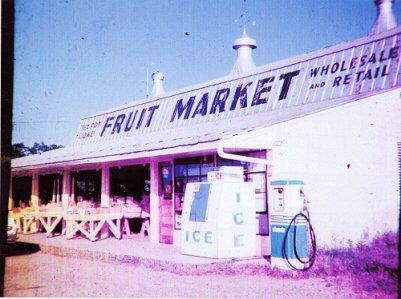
pixel 370 269
pixel 373 266
pixel 21 150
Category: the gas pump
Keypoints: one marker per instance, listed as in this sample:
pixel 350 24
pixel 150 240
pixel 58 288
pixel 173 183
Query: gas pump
pixel 293 243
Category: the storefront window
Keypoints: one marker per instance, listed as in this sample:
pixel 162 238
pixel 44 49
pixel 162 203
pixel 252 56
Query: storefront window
pixel 195 169
pixel 206 167
pixel 87 185
pixel 21 191
pixel 189 171
pixel 225 162
pixel 129 182
pixel 49 185
pixel 256 173
pixel 180 170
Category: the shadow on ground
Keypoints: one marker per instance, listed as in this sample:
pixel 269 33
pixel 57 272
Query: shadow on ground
pixel 18 248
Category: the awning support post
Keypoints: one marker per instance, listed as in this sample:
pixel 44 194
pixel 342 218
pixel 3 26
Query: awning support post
pixel 66 188
pixel 105 188
pixel 35 199
pixel 154 202
pixel 54 191
pixel 10 195
pixel 58 191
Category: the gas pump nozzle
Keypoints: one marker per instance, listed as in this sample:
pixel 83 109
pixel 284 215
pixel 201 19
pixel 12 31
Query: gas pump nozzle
pixel 305 208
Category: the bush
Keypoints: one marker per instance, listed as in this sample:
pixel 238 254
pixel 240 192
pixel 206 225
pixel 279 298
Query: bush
pixel 373 266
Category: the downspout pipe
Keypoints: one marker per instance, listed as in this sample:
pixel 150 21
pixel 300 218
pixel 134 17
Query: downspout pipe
pixel 225 155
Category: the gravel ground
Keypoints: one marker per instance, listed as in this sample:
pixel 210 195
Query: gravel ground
pixel 46 275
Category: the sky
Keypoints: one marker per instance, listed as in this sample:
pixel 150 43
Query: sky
pixel 76 58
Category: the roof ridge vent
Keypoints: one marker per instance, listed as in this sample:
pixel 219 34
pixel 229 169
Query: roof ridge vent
pixel 157 88
pixel 385 19
pixel 244 46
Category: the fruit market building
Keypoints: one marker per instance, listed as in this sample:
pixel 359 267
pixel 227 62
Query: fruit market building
pixel 331 118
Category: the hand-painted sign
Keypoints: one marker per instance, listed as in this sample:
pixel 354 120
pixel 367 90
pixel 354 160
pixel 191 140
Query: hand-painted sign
pixel 361 68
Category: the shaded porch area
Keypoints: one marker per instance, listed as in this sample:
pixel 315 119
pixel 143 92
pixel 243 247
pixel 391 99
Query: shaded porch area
pixel 141 196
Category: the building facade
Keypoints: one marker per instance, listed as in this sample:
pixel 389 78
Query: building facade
pixel 331 118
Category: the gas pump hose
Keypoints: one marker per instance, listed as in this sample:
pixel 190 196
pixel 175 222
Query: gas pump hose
pixel 311 259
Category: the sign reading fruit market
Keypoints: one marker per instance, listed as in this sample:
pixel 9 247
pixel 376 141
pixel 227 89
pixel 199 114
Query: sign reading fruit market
pixel 355 70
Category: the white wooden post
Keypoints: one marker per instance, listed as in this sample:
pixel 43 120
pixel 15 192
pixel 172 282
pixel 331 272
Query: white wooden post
pixel 58 192
pixel 54 192
pixel 65 197
pixel 154 202
pixel 73 203
pixel 35 199
pixel 105 197
pixel 105 189
pixel 10 196
pixel 269 168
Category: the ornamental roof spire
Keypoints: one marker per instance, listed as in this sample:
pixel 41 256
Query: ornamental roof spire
pixel 157 88
pixel 385 19
pixel 244 46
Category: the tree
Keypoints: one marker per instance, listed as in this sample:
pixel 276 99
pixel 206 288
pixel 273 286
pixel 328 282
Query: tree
pixel 21 150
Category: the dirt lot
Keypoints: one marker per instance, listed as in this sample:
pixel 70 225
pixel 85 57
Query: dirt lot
pixel 47 275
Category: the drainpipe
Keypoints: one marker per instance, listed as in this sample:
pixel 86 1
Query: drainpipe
pixel 225 155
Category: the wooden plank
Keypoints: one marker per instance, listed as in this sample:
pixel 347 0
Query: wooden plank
pixel 96 227
pixel 126 227
pixel 93 217
pixel 53 224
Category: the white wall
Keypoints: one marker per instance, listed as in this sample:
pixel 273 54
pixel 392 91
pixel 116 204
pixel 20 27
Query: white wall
pixel 347 203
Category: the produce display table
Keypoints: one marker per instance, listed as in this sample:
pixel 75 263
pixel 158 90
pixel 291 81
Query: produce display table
pixel 17 215
pixel 91 224
pixel 49 220
pixel 30 223
pixel 132 212
pixel 87 221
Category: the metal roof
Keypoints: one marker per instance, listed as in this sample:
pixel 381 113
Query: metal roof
pixel 201 115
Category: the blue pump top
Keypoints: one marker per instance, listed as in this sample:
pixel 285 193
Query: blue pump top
pixel 286 182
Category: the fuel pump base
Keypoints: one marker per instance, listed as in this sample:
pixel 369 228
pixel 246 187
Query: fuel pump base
pixel 289 227
pixel 282 242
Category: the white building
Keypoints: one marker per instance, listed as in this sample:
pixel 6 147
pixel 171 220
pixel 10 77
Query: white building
pixel 331 118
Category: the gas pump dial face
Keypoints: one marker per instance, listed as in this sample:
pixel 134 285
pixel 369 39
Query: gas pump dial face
pixel 278 200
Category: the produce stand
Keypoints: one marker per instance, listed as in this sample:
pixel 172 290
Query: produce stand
pixel 90 223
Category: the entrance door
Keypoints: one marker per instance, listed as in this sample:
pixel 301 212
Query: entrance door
pixel 166 203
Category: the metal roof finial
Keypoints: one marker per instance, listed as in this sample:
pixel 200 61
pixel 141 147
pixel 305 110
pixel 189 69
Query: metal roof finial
pixel 244 46
pixel 385 19
pixel 244 34
pixel 158 88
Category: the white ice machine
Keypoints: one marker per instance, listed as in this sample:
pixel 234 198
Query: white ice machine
pixel 218 219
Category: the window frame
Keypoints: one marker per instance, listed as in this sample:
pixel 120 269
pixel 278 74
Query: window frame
pixel 216 161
